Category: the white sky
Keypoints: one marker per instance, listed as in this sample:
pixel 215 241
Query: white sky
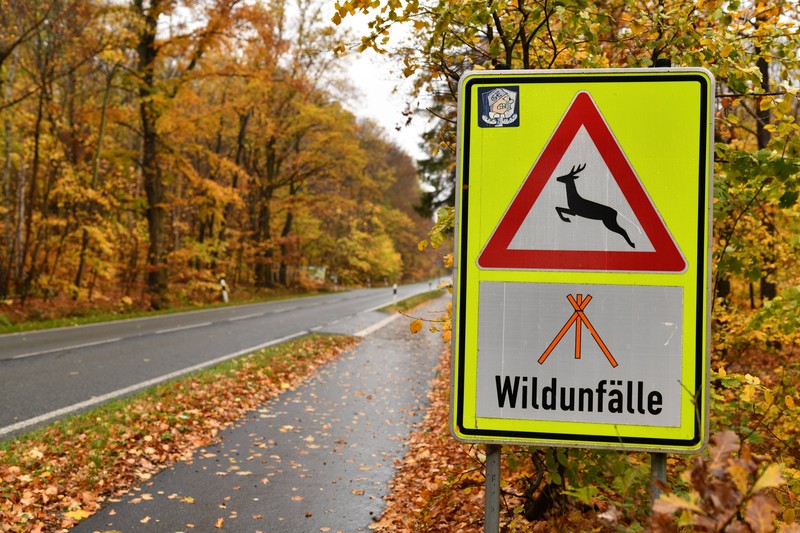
pixel 383 92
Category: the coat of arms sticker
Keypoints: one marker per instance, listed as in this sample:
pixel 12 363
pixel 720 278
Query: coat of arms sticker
pixel 498 107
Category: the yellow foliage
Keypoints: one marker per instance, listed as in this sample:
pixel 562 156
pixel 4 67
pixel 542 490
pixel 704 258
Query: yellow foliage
pixel 770 478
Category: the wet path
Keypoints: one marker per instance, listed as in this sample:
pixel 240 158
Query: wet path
pixel 317 458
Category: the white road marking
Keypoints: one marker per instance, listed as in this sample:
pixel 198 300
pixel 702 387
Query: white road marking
pixel 91 402
pixel 245 317
pixel 182 328
pixel 65 348
pixel 375 327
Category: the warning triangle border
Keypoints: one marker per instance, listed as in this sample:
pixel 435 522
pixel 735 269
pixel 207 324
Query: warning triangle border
pixel 583 111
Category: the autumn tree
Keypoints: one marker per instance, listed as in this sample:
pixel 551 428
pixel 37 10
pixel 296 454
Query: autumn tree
pixel 750 47
pixel 158 76
pixel 747 46
pixel 405 196
pixel 46 47
pixel 155 144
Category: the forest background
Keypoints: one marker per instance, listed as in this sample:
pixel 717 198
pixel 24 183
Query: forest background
pixel 150 148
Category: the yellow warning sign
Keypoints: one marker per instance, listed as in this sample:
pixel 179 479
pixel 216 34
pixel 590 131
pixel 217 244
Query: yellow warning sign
pixel 582 258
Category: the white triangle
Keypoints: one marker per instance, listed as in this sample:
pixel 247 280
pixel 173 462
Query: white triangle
pixel 543 229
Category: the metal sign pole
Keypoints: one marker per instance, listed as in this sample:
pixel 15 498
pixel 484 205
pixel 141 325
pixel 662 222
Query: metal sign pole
pixel 658 472
pixel 492 503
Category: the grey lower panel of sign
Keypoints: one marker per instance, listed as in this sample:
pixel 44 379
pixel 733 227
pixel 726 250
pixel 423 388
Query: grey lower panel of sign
pixel 608 354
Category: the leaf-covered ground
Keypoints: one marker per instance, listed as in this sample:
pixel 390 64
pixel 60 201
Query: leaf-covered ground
pixel 746 481
pixel 52 478
pixel 440 484
pixel 743 482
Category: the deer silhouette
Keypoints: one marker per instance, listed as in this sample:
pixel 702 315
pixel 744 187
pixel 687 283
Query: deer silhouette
pixel 581 207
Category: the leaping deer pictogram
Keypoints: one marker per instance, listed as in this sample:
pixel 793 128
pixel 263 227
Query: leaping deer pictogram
pixel 581 207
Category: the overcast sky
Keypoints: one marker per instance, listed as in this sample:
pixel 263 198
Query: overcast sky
pixel 385 93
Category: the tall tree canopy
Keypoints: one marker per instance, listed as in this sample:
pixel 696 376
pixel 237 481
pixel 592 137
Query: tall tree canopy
pixel 149 147
pixel 750 47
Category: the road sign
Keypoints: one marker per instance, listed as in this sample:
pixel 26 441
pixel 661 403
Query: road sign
pixel 593 235
pixel 582 258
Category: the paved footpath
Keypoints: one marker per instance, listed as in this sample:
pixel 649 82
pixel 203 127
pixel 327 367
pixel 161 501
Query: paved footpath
pixel 317 458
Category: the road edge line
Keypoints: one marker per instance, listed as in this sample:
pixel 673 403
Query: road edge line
pixel 137 387
pixel 378 325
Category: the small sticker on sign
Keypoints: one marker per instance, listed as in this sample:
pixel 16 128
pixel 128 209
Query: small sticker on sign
pixel 498 107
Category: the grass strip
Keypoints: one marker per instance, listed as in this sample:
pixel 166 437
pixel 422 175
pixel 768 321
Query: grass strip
pixel 53 477
pixel 406 305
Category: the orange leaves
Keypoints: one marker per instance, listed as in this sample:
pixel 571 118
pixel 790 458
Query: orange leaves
pixel 60 478
pixel 723 485
pixel 425 492
pixel 415 326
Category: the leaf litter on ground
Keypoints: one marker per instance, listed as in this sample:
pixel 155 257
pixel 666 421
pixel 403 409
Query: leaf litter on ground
pixel 53 477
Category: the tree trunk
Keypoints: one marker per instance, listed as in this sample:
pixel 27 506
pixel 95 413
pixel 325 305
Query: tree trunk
pixel 155 211
pixel 287 228
pixel 24 279
pixel 7 257
pixel 95 173
pixel 262 268
pixel 769 289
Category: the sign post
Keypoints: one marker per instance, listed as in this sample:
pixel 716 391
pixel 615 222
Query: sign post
pixel 583 222
pixel 583 229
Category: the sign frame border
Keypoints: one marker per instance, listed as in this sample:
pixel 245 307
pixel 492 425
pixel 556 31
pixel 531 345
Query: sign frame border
pixel 702 296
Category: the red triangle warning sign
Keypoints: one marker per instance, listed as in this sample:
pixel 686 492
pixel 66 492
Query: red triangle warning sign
pixel 582 207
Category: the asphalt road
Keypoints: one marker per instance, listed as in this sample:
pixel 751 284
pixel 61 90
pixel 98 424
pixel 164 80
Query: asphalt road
pixel 319 457
pixel 49 374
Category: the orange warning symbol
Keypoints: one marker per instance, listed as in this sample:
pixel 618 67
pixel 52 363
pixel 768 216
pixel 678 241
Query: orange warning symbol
pixel 577 318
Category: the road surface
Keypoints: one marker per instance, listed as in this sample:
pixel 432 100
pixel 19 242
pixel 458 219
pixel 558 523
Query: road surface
pixel 318 457
pixel 49 374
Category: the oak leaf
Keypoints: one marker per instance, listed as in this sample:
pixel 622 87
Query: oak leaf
pixel 769 479
pixel 760 513
pixel 672 503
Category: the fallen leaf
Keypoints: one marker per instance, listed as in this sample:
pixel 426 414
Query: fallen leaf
pixel 78 514
pixel 769 479
pixel 760 513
